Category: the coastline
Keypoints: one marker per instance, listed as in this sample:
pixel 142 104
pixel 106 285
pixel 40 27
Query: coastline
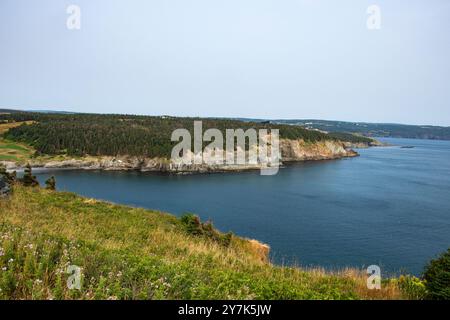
pixel 291 151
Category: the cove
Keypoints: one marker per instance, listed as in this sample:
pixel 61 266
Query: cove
pixel 389 207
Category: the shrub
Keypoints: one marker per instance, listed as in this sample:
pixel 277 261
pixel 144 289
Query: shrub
pixel 28 179
pixel 5 182
pixel 437 277
pixel 50 183
pixel 9 177
pixel 412 287
pixel 194 226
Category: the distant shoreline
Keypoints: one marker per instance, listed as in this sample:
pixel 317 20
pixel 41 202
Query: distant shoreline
pixel 291 150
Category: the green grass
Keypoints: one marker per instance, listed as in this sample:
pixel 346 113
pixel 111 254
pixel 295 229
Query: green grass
pixel 11 151
pixel 131 253
pixel 7 157
pixel 13 147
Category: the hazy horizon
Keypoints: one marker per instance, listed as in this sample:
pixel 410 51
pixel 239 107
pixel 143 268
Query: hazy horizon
pixel 218 117
pixel 262 59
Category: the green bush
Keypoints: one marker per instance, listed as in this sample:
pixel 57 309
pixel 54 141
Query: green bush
pixel 28 179
pixel 412 287
pixel 437 277
pixel 50 183
pixel 9 177
pixel 194 226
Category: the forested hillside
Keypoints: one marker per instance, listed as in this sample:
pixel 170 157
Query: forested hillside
pixel 375 129
pixel 95 134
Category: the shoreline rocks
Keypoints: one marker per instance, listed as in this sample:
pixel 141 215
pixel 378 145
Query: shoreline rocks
pixel 365 145
pixel 291 151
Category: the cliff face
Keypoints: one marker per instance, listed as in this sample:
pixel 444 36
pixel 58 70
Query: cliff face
pixel 299 150
pixel 363 145
pixel 291 150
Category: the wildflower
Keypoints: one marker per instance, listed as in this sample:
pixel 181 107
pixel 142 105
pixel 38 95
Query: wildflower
pixel 5 236
pixel 11 260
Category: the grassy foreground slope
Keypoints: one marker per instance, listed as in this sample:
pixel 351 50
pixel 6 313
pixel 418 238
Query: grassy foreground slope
pixel 131 253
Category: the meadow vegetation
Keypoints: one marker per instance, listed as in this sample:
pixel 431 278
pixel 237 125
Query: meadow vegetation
pixel 11 150
pixel 132 253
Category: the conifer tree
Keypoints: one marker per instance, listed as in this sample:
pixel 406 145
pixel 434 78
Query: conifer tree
pixel 28 179
pixel 9 177
pixel 50 183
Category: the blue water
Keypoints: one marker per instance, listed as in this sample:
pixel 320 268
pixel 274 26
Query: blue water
pixel 390 206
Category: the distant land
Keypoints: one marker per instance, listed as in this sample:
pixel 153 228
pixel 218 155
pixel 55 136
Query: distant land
pixel 134 142
pixel 36 111
pixel 392 130
pixel 368 129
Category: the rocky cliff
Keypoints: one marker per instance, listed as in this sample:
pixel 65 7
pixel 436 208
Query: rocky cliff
pixel 363 145
pixel 291 150
pixel 299 150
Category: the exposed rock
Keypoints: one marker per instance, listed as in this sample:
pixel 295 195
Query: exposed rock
pixel 299 150
pixel 65 164
pixel 364 145
pixel 9 165
pixel 291 150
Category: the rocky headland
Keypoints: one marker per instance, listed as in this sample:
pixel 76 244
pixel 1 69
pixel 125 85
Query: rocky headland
pixel 291 150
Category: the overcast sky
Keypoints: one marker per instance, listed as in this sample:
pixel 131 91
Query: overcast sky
pixel 230 58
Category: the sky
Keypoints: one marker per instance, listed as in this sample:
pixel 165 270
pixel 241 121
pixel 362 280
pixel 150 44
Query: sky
pixel 272 59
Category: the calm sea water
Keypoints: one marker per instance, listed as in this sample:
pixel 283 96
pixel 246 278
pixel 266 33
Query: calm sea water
pixel 390 206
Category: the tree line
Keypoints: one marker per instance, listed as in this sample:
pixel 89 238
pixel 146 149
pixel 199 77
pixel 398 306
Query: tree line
pixel 113 135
